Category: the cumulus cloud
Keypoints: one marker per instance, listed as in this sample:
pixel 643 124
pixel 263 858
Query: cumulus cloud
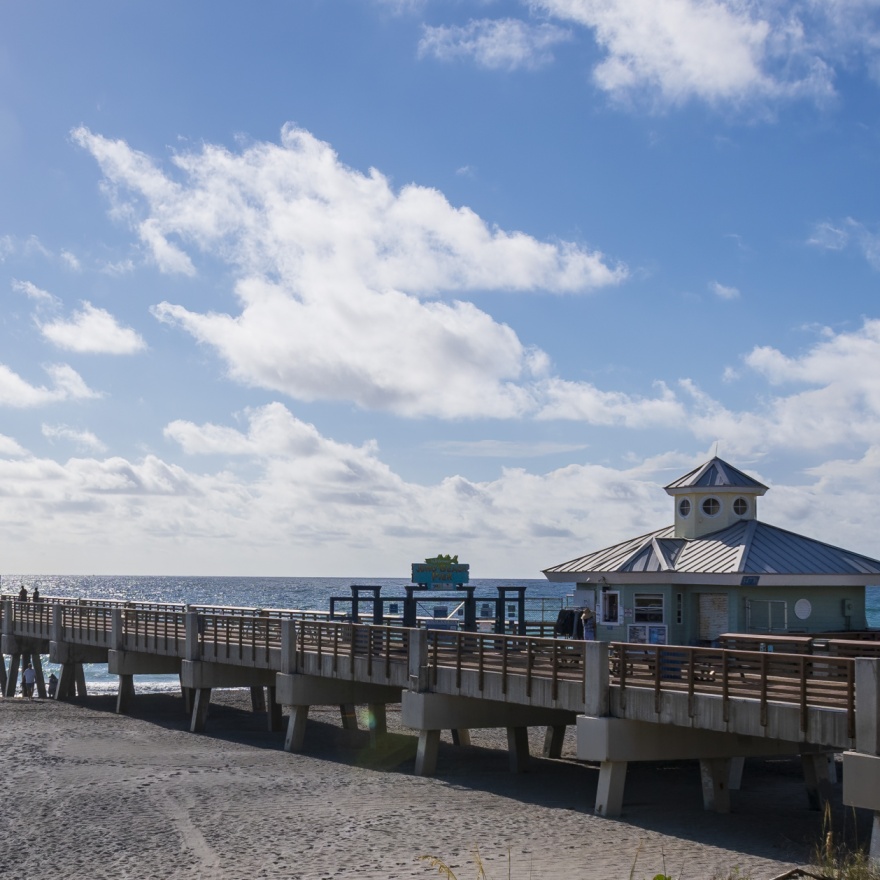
pixel 85 441
pixel 722 50
pixel 581 401
pixel 504 44
pixel 93 330
pixel 347 286
pixel 66 384
pixel 834 401
pixel 307 499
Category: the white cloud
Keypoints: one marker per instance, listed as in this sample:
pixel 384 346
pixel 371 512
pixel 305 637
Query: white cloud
pixel 828 236
pixel 31 291
pixel 85 441
pixel 71 260
pixel 710 50
pixel 504 44
pixel 336 274
pixel 93 330
pixel 67 384
pixel 504 448
pixel 723 291
pixel 11 448
pixel 838 236
pixel 309 503
pixel 835 404
pixel 580 401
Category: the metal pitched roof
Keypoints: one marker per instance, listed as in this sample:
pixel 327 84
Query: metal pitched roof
pixel 746 547
pixel 717 474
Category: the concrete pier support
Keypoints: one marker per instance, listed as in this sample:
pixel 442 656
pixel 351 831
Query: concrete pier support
pixel 296 728
pixel 377 721
pixel 202 677
pixel 274 715
pixel 349 716
pixel 816 778
pixel 12 682
pixel 127 664
pixel 3 676
pixel 40 681
pixel 200 710
pixel 298 692
pixel 614 742
pixel 609 792
pixel 124 694
pixel 518 749
pixel 715 779
pixel 430 713
pixel 736 772
pixel 553 741
pixel 861 767
pixel 461 736
pixel 258 699
pixel 426 753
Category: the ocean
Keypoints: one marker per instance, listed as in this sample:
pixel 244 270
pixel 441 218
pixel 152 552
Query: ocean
pixel 543 601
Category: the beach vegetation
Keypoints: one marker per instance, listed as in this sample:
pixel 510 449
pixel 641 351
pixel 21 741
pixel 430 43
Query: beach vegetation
pixel 837 858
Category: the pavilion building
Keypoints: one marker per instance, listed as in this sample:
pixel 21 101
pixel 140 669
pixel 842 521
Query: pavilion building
pixel 719 569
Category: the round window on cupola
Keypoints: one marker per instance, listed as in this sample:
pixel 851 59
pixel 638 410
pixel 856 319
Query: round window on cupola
pixel 740 507
pixel 711 507
pixel 684 508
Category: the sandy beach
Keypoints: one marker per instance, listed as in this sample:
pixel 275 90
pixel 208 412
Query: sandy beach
pixel 96 795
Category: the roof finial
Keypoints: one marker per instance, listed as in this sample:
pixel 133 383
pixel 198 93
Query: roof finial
pixel 715 450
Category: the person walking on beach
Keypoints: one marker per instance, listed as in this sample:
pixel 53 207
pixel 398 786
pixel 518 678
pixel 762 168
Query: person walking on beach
pixel 53 685
pixel 28 677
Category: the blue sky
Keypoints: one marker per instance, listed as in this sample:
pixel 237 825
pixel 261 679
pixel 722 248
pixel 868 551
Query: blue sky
pixel 326 287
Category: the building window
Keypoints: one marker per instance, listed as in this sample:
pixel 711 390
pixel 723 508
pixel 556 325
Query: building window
pixel 711 506
pixel 679 608
pixel 684 508
pixel 740 506
pixel 610 608
pixel 648 608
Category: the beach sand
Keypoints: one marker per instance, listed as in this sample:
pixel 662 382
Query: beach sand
pixel 90 794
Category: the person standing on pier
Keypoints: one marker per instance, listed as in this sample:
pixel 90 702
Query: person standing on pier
pixel 36 596
pixel 22 594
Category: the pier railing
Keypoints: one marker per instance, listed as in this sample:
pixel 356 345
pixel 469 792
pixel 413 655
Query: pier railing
pixel 251 636
pixel 531 657
pixel 802 679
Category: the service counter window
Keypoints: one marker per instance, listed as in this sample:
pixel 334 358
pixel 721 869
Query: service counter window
pixel 609 608
pixel 648 608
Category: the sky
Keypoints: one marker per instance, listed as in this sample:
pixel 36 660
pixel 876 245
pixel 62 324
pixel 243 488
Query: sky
pixel 329 287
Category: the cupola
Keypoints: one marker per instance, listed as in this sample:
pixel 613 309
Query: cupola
pixel 712 497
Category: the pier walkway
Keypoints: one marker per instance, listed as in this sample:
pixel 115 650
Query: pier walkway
pixel 628 702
